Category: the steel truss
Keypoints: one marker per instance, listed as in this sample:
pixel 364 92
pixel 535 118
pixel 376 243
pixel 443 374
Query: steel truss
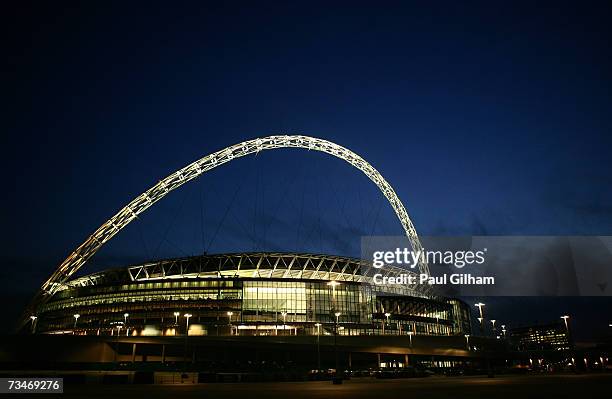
pixel 268 265
pixel 141 203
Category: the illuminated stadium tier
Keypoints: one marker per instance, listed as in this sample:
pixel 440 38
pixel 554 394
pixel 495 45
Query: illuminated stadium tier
pixel 246 294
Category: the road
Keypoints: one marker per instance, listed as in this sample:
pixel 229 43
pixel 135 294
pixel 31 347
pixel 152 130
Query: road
pixel 535 386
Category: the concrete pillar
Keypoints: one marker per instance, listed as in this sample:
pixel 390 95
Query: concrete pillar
pixel 133 352
pixel 378 361
pixel 406 363
pixel 163 355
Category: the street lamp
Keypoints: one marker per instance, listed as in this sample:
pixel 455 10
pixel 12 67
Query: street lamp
pixel 479 305
pixel 333 284
pixel 187 316
pixel 76 317
pixel 127 329
pixel 230 314
pixel 493 323
pixel 387 315
pixel 33 318
pixel 567 331
pixel 318 325
pixel 565 317
pixel 337 314
pixel 410 333
pixel 467 341
pixel 284 314
pixel 176 315
pixel 125 317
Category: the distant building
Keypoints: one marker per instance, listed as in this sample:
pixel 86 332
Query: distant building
pixel 553 336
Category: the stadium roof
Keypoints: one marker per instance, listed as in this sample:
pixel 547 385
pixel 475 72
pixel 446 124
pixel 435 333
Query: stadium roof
pixel 245 265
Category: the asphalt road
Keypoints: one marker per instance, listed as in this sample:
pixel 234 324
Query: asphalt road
pixel 534 386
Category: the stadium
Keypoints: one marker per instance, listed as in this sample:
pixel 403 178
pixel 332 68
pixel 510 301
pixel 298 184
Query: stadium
pixel 260 308
pixel 247 294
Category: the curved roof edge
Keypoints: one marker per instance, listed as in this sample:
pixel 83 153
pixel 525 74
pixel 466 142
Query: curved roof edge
pixel 244 265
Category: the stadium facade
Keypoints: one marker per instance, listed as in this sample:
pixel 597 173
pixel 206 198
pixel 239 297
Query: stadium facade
pixel 259 294
pixel 245 294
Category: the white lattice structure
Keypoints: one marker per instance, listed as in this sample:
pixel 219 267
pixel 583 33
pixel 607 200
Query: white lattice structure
pixel 141 203
pixel 258 265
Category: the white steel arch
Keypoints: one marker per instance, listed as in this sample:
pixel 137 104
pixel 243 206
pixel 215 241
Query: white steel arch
pixel 141 203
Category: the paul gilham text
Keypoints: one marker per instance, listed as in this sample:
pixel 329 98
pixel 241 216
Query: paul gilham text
pixel 454 279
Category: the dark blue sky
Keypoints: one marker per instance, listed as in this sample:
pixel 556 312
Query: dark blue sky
pixel 486 118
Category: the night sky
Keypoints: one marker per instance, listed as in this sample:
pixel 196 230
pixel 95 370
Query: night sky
pixel 487 119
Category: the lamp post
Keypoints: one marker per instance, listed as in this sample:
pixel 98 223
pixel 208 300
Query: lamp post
pixel 337 379
pixel 567 330
pixel 318 325
pixel 503 326
pixel 337 314
pixel 467 341
pixel 76 317
pixel 410 334
pixel 176 315
pixel 229 315
pixel 481 320
pixel 333 284
pixel 284 314
pixel 387 315
pixel 493 324
pixel 33 318
pixel 565 317
pixel 187 316
pixel 479 305
pixel 125 317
